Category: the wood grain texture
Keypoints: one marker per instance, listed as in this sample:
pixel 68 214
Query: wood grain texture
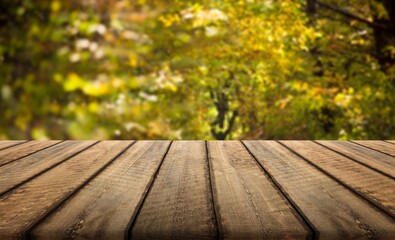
pixel 9 143
pixel 333 210
pixel 103 209
pixel 248 203
pixel 369 157
pixel 27 204
pixel 11 154
pixel 179 204
pixel 20 171
pixel 197 190
pixel 374 186
pixel 381 146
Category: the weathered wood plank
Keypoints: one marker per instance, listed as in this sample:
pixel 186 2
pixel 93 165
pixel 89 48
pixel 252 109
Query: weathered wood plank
pixel 334 211
pixel 11 154
pixel 9 143
pixel 23 207
pixel 381 146
pixel 17 172
pixel 179 204
pixel 371 185
pixel 104 208
pixel 376 160
pixel 249 205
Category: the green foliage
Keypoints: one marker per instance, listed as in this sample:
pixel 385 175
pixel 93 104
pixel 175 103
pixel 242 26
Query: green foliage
pixel 192 70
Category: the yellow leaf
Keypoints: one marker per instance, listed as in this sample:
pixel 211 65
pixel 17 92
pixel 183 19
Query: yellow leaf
pixel 73 82
pixel 95 89
pixel 93 107
pixel 133 60
pixel 55 6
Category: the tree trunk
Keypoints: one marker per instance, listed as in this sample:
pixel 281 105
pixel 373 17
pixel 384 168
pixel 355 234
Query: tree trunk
pixel 311 8
pixel 385 37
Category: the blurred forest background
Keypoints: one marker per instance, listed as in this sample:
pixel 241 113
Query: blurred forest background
pixel 220 69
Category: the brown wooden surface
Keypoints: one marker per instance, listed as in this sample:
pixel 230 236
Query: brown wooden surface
pixel 104 208
pixel 332 210
pixel 21 208
pixel 197 189
pixel 247 199
pixel 17 172
pixel 369 184
pixel 9 143
pixel 376 160
pixel 179 202
pixel 19 151
pixel 382 146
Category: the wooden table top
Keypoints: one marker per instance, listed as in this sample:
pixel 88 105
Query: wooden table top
pixel 197 189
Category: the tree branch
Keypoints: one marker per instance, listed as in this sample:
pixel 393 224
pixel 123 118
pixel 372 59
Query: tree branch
pixel 330 17
pixel 351 15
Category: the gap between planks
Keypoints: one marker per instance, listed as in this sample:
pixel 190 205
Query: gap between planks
pixel 28 231
pixel 313 232
pixel 12 154
pixel 336 211
pixel 211 189
pixel 375 202
pixel 133 219
pixel 371 165
pixel 10 143
pixel 52 188
pixel 11 171
pixel 379 146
